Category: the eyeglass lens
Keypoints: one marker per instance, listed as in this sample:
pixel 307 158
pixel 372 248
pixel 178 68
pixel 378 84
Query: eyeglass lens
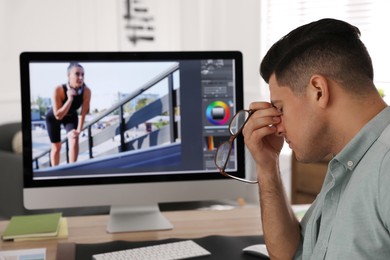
pixel 223 152
pixel 222 155
pixel 238 122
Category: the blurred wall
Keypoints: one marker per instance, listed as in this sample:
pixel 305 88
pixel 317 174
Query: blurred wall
pixel 97 25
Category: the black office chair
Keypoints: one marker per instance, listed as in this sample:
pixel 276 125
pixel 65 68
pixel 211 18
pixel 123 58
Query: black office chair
pixel 11 181
pixel 11 173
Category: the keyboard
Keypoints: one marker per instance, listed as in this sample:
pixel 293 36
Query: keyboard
pixel 169 251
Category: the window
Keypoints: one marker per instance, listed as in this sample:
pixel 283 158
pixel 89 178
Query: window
pixel 371 17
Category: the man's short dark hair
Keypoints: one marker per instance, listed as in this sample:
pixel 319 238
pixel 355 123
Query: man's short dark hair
pixel 328 47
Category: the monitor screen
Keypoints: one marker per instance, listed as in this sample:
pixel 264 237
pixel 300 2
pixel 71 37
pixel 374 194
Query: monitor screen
pixel 111 119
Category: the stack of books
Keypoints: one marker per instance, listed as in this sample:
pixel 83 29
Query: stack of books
pixel 36 227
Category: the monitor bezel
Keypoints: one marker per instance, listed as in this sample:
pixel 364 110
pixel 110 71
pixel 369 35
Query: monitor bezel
pixel 27 57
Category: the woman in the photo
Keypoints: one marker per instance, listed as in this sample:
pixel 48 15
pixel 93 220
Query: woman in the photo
pixel 67 99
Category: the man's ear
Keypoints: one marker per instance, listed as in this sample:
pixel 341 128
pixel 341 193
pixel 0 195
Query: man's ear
pixel 319 90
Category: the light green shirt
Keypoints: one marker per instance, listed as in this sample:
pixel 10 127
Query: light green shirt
pixel 350 218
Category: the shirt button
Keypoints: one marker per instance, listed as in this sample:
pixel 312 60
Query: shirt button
pixel 350 163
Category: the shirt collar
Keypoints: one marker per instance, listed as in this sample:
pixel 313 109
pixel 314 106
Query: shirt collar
pixel 353 152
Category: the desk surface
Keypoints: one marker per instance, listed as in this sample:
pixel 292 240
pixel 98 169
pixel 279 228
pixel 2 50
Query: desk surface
pixel 187 224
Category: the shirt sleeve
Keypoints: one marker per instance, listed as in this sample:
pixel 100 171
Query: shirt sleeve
pixel 384 192
pixel 303 226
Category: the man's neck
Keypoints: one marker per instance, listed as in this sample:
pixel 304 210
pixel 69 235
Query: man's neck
pixel 351 116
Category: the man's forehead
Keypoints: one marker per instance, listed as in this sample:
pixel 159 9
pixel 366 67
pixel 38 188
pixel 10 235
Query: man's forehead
pixel 273 83
pixel 275 89
pixel 278 94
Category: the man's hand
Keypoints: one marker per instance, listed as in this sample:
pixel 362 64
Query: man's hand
pixel 261 135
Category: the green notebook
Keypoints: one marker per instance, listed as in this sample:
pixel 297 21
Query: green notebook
pixel 38 225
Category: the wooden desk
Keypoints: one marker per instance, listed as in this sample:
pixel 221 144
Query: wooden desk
pixel 187 224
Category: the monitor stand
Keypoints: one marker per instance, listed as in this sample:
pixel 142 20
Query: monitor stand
pixel 136 218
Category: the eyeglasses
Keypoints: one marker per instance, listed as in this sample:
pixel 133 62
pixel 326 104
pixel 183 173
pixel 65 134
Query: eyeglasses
pixel 223 152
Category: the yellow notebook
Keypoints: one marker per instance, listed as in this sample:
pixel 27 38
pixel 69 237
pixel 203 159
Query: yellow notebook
pixel 39 225
pixel 62 233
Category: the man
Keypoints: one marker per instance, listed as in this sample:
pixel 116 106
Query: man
pixel 323 101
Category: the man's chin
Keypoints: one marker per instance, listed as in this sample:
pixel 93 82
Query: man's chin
pixel 308 158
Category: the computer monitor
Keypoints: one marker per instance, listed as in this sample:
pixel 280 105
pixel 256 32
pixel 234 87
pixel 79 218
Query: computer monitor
pixel 154 122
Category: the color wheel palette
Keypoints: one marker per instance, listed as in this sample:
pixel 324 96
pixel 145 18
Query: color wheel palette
pixel 218 113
